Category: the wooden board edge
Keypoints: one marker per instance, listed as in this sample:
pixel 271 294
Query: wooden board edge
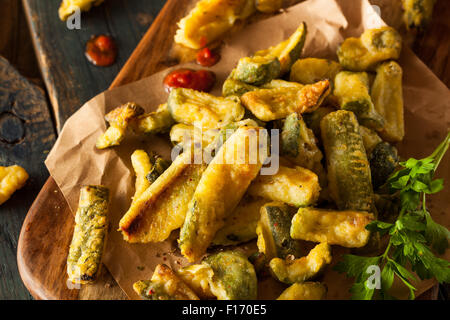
pixel 26 270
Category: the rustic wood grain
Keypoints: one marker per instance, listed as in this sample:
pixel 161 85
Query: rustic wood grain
pixel 26 136
pixel 15 40
pixel 153 54
pixel 42 263
pixel 433 46
pixel 70 79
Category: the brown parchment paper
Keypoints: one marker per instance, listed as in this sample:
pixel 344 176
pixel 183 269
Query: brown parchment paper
pixel 74 160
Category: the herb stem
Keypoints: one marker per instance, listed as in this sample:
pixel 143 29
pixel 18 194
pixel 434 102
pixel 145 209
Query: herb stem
pixel 440 151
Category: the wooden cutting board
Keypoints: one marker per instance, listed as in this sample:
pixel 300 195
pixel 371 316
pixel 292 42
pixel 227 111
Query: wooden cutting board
pixel 47 229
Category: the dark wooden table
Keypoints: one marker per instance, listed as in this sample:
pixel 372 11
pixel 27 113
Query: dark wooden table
pixel 68 80
pixel 60 68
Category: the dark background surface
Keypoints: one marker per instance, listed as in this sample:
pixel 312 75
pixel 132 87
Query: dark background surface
pixel 64 80
pixel 60 80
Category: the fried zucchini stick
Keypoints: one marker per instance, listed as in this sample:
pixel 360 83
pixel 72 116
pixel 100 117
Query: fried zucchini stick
pixel 344 228
pixel 89 236
pixel 220 189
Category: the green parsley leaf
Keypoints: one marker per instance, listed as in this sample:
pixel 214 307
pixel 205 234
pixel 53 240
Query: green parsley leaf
pixel 379 226
pixel 360 291
pixel 411 236
pixel 437 236
pixel 356 266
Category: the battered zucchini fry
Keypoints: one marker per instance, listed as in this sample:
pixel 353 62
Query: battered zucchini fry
pixel 159 165
pixel 238 88
pixel 226 275
pixel 273 231
pixel 89 236
pixel 142 166
pixel 159 121
pixel 118 119
pixel 268 64
pixel 234 87
pixel 257 70
pixel 268 6
pixel 304 291
pixel 349 177
pixel 352 92
pixel 417 13
pixel 235 165
pixel 68 7
pixel 240 226
pixel 374 46
pixel 343 228
pixel 234 277
pixel 370 139
pixel 189 106
pixel 278 83
pixel 294 186
pixel 313 119
pixel 298 143
pixel 383 161
pixel 226 132
pixel 305 268
pixel 278 103
pixel 162 207
pixel 288 51
pixel 387 96
pixel 164 285
pixel 311 70
pixel 12 178
pixel 184 134
pixel 210 20
pixel 197 277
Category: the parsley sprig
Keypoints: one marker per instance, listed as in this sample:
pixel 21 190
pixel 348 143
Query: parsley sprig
pixel 412 237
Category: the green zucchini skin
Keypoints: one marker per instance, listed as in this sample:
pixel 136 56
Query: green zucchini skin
pixel 383 161
pixel 290 136
pixel 257 70
pixel 370 139
pixel 349 177
pixel 159 166
pixel 288 51
pixel 313 119
pixel 234 276
pixel 155 122
pixel 89 236
pixel 275 226
pixel 352 92
pixel 193 107
pixel 234 87
pixel 260 263
pixel 371 48
pixel 387 97
pixel 298 143
pixel 296 51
